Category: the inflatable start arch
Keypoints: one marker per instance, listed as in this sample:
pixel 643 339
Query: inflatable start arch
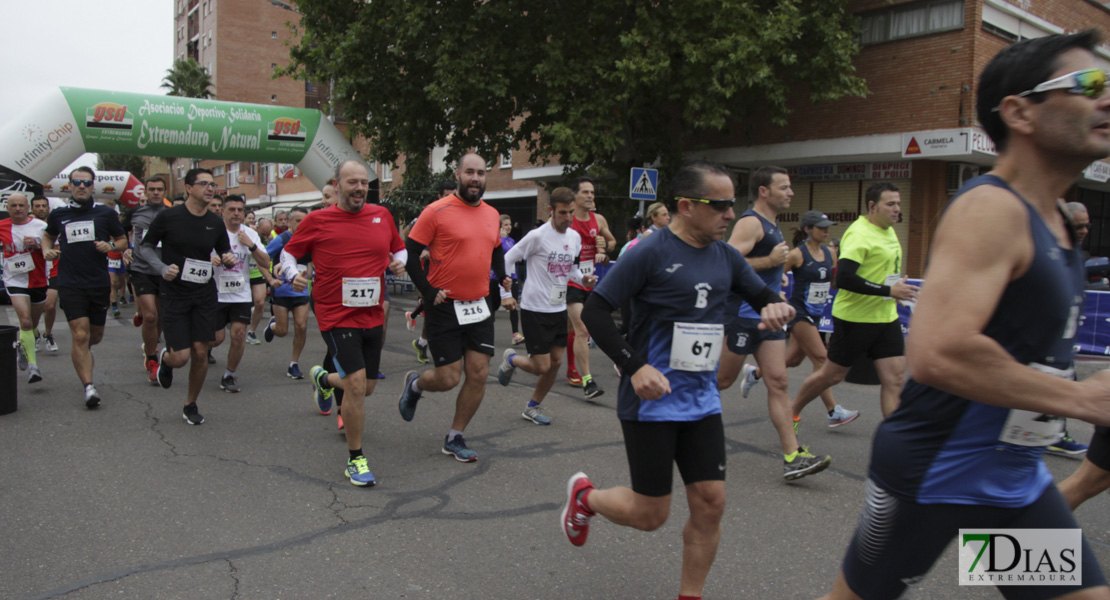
pixel 36 146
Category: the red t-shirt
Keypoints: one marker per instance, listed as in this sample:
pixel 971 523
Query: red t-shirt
pixel 461 239
pixel 588 231
pixel 345 245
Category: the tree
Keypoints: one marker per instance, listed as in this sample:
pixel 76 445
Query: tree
pixel 604 83
pixel 187 79
pixel 122 162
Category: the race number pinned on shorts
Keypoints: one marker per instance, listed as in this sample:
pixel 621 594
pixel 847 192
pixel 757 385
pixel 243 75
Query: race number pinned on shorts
pixel 115 263
pixel 474 311
pixel 696 346
pixel 558 294
pixel 362 291
pixel 81 231
pixel 19 263
pixel 231 283
pixel 587 267
pixel 1028 428
pixel 196 271
pixel 818 293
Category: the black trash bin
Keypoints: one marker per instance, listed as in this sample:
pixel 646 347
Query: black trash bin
pixel 9 337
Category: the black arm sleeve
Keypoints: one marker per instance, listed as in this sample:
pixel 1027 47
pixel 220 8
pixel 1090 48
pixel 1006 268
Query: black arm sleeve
pixel 416 271
pixel 763 298
pixel 848 279
pixel 597 316
pixel 499 263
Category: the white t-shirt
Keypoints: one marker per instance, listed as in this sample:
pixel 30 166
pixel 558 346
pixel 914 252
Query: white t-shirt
pixel 550 257
pixel 33 229
pixel 234 283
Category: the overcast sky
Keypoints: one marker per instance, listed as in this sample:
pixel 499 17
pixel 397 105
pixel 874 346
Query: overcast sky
pixel 120 45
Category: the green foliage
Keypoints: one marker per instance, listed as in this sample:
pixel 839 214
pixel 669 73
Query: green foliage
pixel 187 79
pixel 417 190
pixel 605 83
pixel 122 162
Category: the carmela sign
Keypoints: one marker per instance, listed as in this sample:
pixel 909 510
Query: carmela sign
pixel 898 169
pixel 947 143
pixel 1097 171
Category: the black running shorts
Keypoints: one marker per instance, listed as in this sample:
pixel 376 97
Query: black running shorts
pixel 653 447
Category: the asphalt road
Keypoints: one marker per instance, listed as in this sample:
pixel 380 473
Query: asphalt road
pixel 130 502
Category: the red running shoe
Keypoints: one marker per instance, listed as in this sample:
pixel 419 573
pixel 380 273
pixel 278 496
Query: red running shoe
pixel 575 520
pixel 152 371
pixel 137 320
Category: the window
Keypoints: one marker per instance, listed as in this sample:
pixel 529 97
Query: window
pixel 273 97
pixel 507 160
pixel 387 172
pixel 273 66
pixel 233 175
pixel 218 170
pixel 273 35
pixel 921 18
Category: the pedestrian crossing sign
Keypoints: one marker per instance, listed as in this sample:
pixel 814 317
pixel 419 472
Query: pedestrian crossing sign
pixel 643 184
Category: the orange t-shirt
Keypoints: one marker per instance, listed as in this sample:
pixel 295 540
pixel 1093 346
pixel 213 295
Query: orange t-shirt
pixel 461 239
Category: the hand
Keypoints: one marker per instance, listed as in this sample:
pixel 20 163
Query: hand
pixel 601 258
pixel 776 316
pixel 215 260
pixel 127 257
pixel 1100 381
pixel 52 254
pixel 229 259
pixel 103 247
pixel 601 244
pixel 245 239
pixel 30 243
pixel 508 304
pixel 785 281
pixel 397 267
pixel 425 255
pixel 779 253
pixel 441 297
pixel 904 291
pixel 300 282
pixel 589 281
pixel 171 273
pixel 507 283
pixel 649 383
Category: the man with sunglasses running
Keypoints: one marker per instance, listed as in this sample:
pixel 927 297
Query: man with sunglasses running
pixel 87 232
pixel 990 349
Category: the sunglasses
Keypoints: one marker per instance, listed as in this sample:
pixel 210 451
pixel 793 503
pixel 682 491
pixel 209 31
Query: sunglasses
pixel 1088 82
pixel 82 182
pixel 719 204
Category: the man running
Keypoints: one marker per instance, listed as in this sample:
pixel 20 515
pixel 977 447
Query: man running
pixel 992 340
pixel 677 281
pixel 24 276
pixel 189 234
pixel 146 278
pixel 550 251
pixel 597 241
pixel 352 243
pixel 462 233
pixel 264 229
pixel 87 232
pixel 287 300
pixel 40 207
pixel 233 286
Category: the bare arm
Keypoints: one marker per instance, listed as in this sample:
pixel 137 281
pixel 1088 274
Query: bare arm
pixel 746 235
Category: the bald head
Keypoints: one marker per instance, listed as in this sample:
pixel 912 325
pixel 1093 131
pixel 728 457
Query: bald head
pixel 471 176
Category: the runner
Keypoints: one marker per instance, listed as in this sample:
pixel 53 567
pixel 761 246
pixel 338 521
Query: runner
pixel 352 243
pixel 286 300
pixel 264 229
pixel 420 344
pixel 40 207
pixel 83 230
pixel 597 241
pixel 233 286
pixel 462 234
pixel 550 251
pixel 189 234
pixel 677 281
pixel 991 343
pixel 146 277
pixel 117 272
pixel 24 277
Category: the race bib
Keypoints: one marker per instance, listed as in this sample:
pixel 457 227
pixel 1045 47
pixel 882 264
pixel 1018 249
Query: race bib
pixel 115 263
pixel 558 294
pixel 474 311
pixel 19 263
pixel 231 283
pixel 196 271
pixel 81 231
pixel 362 291
pixel 1028 428
pixel 587 267
pixel 818 293
pixel 696 346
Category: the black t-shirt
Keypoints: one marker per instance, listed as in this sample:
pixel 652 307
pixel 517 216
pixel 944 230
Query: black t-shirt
pixel 83 266
pixel 187 236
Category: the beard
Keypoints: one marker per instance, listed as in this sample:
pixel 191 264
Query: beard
pixel 470 196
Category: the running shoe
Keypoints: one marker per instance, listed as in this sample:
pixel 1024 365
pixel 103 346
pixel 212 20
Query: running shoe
pixel 294 372
pixel 38 342
pixel 410 321
pixel 407 403
pixel 152 371
pixel 229 384
pixel 574 378
pixel 191 414
pixel 533 414
pixel 252 339
pixel 575 518
pixel 421 352
pixel 841 416
pixel 115 310
pixel 592 390
pixel 381 375
pixel 456 447
pixel 21 357
pixel 92 399
pixel 33 374
pixel 322 395
pixel 165 372
pixel 1067 447
pixel 804 463
pixel 338 420
pixel 358 472
pixel 137 320
pixel 518 339
pixel 749 380
pixel 506 370
pixel 130 299
pixel 268 333
pixel 51 345
pixel 211 359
